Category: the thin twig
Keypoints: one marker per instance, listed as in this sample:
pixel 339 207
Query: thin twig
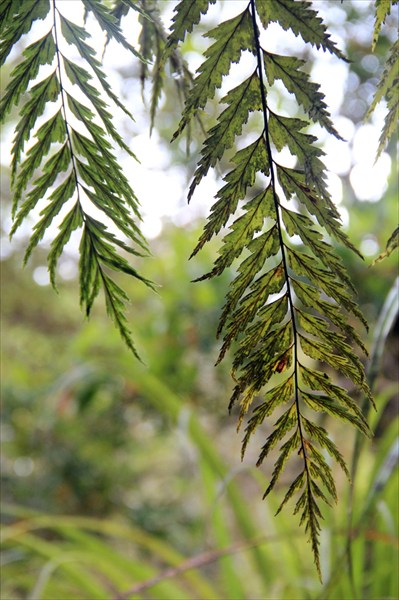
pixel 211 556
pixel 195 562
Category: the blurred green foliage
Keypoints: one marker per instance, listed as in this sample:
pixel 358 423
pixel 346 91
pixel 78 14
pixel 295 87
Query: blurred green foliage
pixel 150 451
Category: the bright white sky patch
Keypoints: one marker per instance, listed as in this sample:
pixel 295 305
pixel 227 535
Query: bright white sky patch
pixel 369 246
pixel 365 144
pixel 331 75
pixel 370 182
pixel 334 187
pixel 338 158
pixel 41 276
pixel 369 179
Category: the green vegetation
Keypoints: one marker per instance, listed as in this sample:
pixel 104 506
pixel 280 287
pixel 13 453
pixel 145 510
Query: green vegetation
pixel 120 477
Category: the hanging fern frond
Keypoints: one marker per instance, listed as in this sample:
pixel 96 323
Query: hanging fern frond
pixel 391 245
pixel 152 41
pixel 187 14
pixel 382 11
pixel 289 306
pixel 388 85
pixel 388 89
pixel 74 149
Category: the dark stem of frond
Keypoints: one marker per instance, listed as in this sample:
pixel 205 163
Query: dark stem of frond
pixel 279 229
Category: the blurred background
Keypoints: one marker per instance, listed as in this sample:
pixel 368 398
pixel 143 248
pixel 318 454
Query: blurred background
pixel 115 472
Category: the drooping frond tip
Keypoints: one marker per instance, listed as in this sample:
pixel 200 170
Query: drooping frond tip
pixel 289 309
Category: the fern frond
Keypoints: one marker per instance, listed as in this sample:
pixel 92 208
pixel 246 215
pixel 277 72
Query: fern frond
pixel 288 70
pixel 121 9
pixel 391 245
pixel 388 89
pixel 232 38
pixel 242 100
pixel 16 19
pixel 301 19
pixel 157 54
pixel 187 14
pixel 109 24
pixel 382 10
pixel 74 150
pixel 288 306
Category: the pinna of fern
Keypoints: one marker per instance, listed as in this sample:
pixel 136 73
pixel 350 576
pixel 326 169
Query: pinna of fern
pixel 74 148
pixel 289 305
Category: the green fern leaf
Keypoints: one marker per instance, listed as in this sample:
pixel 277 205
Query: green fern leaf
pixel 243 230
pixel 305 265
pixel 278 395
pixel 249 161
pixel 295 486
pixel 382 10
pixel 242 100
pixel 387 88
pixel 389 77
pixel 301 19
pixel 156 49
pixel 310 516
pixel 261 248
pixel 72 221
pixel 391 119
pixel 317 381
pixel 75 35
pixel 285 423
pixel 391 245
pixel 127 4
pixel 56 201
pixel 318 402
pixel 318 433
pixel 285 451
pixel 300 224
pixel 388 85
pixel 17 19
pixel 187 14
pixel 319 328
pixel 51 132
pixel 288 70
pixel 310 296
pixel 271 315
pixel 109 24
pixel 287 305
pixel 39 53
pixel 232 38
pixel 78 159
pixel 59 162
pixel 8 8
